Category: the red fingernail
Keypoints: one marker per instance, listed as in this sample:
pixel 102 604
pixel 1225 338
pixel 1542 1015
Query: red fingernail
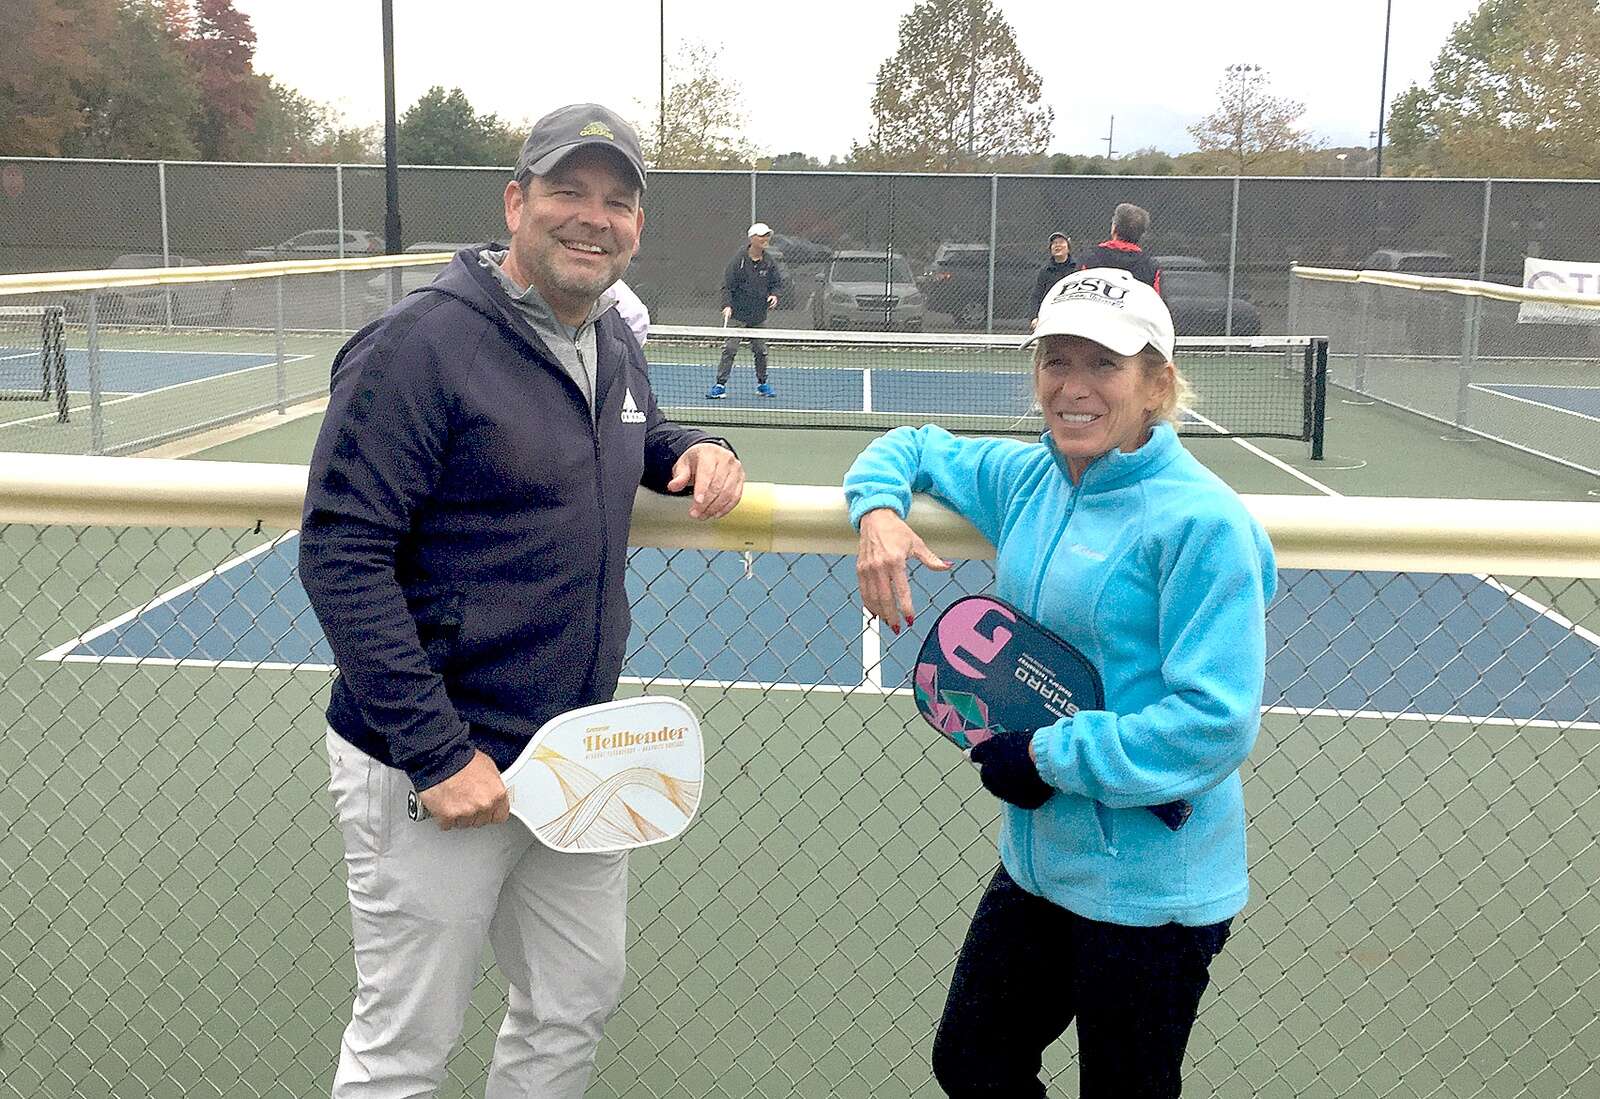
pixel 895 628
pixel 910 620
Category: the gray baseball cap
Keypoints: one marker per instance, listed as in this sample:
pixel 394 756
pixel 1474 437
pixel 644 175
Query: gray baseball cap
pixel 572 127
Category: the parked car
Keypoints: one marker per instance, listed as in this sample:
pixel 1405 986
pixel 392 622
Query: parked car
pixel 376 284
pixel 957 282
pixel 1435 264
pixel 1197 294
pixel 868 290
pixel 319 244
pixel 793 250
pixel 179 303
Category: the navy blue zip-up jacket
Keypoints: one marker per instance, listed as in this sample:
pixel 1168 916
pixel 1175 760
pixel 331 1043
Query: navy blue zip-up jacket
pixel 466 525
pixel 747 282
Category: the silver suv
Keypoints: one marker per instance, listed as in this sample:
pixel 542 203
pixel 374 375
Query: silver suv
pixel 868 290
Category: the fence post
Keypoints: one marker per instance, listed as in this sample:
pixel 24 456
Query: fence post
pixel 97 421
pixel 1469 357
pixel 166 246
pixel 994 245
pixel 1483 235
pixel 280 375
pixel 1294 303
pixel 338 193
pixel 752 196
pixel 1233 256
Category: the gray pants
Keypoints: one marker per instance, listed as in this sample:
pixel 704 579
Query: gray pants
pixel 731 348
pixel 424 903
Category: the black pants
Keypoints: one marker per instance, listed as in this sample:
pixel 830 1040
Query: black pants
pixel 731 348
pixel 1029 968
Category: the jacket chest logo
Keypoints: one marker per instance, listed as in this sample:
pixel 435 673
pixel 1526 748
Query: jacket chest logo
pixel 630 411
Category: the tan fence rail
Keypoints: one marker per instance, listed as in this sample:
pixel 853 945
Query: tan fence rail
pixel 1424 800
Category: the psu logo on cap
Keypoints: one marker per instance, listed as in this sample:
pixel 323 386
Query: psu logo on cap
pixel 1091 289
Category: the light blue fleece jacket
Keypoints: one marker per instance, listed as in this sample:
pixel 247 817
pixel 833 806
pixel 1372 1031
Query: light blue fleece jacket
pixel 1151 567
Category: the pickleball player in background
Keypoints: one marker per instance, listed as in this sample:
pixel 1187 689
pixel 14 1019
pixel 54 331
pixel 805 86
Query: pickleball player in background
pixel 1129 224
pixel 463 547
pixel 1111 535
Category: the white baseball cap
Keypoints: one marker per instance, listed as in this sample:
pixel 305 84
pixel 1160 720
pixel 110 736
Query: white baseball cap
pixel 760 229
pixel 1110 307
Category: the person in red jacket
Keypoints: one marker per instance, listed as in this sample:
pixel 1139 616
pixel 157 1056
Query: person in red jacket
pixel 1129 223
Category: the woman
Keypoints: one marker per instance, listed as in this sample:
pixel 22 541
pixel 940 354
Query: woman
pixel 1114 537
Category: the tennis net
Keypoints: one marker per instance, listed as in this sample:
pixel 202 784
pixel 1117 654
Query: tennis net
pixel 1261 387
pixel 33 360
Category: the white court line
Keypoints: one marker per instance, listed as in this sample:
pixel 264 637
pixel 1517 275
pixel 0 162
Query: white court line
pixel 873 690
pixel 1488 387
pixel 60 652
pixel 1528 601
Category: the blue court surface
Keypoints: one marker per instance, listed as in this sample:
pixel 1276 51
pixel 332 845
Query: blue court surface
pixel 1379 644
pixel 1580 400
pixel 125 371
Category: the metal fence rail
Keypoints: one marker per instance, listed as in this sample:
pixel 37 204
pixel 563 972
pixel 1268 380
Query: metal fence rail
pixel 1424 831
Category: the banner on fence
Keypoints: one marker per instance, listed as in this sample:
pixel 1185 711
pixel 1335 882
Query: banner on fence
pixel 1561 276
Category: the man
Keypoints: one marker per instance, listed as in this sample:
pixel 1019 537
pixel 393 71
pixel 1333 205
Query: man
pixel 632 310
pixel 1059 267
pixel 1129 223
pixel 463 546
pixel 750 287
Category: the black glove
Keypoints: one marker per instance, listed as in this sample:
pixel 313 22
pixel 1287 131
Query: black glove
pixel 1008 772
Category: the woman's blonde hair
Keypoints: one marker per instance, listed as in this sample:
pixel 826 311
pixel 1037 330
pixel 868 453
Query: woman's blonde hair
pixel 1180 394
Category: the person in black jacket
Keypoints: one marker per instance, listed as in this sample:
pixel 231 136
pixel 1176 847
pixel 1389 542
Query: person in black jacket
pixel 750 287
pixel 1059 267
pixel 463 546
pixel 1129 223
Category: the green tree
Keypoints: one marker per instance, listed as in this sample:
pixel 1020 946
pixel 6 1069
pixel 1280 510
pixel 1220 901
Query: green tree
pixel 1255 131
pixel 142 103
pixel 221 49
pixel 957 94
pixel 794 162
pixel 48 50
pixel 705 117
pixel 1515 92
pixel 442 127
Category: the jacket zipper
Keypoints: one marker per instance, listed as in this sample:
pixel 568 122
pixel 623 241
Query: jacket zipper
pixel 1026 827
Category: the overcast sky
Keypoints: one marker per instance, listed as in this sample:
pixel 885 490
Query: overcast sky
pixel 806 68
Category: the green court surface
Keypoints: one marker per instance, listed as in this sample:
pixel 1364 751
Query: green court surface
pixel 1422 920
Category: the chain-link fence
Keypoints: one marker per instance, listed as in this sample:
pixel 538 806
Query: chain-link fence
pixel 1494 362
pixel 1424 838
pixel 1233 239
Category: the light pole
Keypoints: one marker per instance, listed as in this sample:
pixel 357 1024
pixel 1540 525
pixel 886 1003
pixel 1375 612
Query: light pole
pixel 1383 84
pixel 661 124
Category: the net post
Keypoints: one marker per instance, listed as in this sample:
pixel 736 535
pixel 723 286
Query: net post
pixel 279 375
pixel 63 407
pixel 97 424
pixel 1317 377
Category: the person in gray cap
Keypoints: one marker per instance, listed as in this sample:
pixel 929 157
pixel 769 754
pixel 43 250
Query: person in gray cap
pixel 750 287
pixel 463 546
